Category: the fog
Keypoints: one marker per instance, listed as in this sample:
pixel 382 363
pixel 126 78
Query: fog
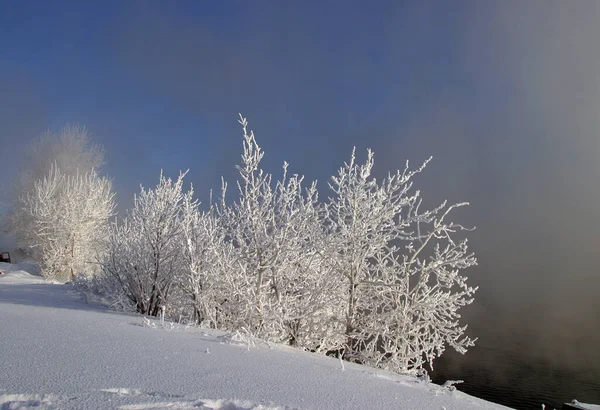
pixel 513 128
pixel 504 95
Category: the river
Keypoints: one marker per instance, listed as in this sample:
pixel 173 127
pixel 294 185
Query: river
pixel 508 370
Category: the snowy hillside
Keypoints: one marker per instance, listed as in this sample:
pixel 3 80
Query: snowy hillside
pixel 57 352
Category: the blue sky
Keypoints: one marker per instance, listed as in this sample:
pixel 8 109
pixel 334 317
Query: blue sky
pixel 504 94
pixel 164 84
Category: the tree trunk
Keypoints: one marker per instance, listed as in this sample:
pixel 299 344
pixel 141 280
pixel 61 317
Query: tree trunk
pixel 72 257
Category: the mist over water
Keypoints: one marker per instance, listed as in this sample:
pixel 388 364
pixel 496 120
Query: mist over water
pixel 540 246
pixel 504 95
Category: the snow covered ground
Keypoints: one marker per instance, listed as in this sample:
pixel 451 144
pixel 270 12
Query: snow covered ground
pixel 58 352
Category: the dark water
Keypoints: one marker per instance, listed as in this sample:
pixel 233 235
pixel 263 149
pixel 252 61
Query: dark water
pixel 515 374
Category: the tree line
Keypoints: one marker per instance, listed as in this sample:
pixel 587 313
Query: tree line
pixel 367 273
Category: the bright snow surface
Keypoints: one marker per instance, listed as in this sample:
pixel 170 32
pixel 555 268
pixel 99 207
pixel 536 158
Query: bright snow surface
pixel 58 352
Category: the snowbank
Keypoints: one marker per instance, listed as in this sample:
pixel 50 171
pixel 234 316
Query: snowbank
pixel 59 353
pixel 14 273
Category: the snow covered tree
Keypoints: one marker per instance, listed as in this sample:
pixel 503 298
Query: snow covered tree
pixel 207 261
pixel 399 268
pixel 253 228
pixel 309 298
pixel 70 152
pixel 67 221
pixel 270 227
pixel 367 274
pixel 144 255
